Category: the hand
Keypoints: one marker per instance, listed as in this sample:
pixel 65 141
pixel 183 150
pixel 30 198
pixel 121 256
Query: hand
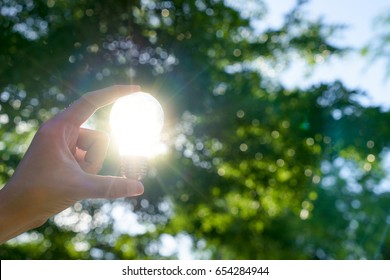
pixel 60 167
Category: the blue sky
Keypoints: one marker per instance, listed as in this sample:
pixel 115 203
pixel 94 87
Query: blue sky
pixel 354 70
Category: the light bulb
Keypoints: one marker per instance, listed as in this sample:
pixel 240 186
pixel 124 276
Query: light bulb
pixel 136 121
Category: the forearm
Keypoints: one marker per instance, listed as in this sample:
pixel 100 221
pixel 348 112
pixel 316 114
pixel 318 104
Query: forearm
pixel 16 216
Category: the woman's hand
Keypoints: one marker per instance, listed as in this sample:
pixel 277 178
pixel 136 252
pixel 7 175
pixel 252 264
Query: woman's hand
pixel 60 167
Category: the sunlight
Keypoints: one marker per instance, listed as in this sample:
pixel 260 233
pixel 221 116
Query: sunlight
pixel 125 220
pixel 136 121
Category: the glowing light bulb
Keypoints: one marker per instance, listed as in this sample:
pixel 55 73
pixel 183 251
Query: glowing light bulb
pixel 136 121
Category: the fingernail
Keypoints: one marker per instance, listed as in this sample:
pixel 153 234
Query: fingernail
pixel 139 188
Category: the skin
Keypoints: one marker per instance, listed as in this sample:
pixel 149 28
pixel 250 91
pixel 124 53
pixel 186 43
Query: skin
pixel 60 167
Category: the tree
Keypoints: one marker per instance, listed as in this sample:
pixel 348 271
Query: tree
pixel 253 170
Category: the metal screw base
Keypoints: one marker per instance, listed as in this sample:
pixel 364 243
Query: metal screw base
pixel 134 167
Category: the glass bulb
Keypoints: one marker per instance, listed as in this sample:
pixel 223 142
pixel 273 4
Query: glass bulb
pixel 136 121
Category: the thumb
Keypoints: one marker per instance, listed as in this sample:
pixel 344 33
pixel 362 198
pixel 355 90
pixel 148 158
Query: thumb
pixel 110 187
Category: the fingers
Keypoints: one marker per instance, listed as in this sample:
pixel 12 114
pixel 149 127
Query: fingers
pixel 84 107
pixel 92 146
pixel 109 187
pixel 95 144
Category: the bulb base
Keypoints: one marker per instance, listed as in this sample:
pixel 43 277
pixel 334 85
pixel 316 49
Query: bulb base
pixel 134 167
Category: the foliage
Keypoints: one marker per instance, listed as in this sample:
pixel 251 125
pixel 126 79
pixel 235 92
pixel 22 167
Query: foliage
pixel 253 170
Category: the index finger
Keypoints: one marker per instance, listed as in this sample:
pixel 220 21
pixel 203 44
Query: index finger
pixel 84 107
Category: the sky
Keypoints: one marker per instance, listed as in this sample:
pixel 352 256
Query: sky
pixel 354 70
